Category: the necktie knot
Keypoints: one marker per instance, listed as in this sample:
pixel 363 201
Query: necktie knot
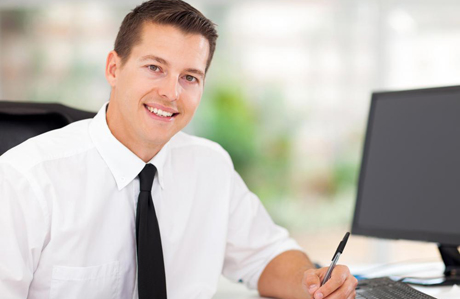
pixel 146 177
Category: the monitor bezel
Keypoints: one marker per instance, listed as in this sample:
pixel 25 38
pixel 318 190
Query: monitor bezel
pixel 356 229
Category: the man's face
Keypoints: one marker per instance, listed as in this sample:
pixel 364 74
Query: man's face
pixel 156 92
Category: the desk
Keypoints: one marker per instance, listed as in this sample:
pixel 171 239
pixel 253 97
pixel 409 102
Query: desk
pixel 229 290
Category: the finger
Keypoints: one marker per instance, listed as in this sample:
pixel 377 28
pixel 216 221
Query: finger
pixel 311 280
pixel 347 290
pixel 338 278
pixel 352 295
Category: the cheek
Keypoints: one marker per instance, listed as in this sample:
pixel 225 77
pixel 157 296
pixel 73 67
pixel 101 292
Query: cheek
pixel 192 105
pixel 194 99
pixel 189 104
pixel 133 88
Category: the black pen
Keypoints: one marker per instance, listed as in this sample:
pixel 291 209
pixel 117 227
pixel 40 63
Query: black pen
pixel 335 258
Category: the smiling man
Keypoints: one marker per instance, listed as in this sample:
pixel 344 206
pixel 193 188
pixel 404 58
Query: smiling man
pixel 125 205
pixel 157 87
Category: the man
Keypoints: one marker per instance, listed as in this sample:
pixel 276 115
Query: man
pixel 126 205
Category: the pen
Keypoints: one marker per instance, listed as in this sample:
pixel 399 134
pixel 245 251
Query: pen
pixel 335 258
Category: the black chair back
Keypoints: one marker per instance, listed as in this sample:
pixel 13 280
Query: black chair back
pixel 20 121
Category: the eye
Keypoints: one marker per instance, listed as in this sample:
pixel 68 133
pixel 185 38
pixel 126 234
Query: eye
pixel 153 68
pixel 190 78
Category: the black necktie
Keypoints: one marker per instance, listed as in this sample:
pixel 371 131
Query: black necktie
pixel 151 269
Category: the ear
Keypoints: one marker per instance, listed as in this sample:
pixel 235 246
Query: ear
pixel 112 66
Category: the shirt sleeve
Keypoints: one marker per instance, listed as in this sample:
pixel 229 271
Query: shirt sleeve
pixel 253 238
pixel 22 233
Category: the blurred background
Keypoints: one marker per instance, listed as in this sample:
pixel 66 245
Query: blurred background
pixel 287 94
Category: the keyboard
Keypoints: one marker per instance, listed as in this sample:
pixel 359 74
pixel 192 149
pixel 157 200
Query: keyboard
pixel 386 288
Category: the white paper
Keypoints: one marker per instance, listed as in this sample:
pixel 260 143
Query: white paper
pixel 452 293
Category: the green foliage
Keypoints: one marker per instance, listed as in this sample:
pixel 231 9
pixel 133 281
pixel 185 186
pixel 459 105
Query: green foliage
pixel 229 120
pixel 260 153
pixel 345 175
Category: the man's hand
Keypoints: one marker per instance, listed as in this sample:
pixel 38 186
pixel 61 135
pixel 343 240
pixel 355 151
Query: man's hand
pixel 341 285
pixel 291 275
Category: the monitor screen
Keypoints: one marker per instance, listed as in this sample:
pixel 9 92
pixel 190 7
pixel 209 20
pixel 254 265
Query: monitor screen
pixel 409 185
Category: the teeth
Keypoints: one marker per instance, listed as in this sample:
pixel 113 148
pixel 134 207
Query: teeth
pixel 159 112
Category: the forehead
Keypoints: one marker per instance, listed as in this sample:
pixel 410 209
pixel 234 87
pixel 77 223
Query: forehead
pixel 178 48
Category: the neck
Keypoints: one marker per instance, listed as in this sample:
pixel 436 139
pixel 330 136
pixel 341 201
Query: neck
pixel 123 133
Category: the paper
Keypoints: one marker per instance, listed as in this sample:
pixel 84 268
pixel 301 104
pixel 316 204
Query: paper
pixel 452 293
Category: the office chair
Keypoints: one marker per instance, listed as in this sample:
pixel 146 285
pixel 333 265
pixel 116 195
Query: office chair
pixel 20 121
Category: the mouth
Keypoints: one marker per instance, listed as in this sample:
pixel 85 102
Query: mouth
pixel 161 113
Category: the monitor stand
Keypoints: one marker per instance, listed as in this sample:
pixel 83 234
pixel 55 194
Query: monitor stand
pixel 451 259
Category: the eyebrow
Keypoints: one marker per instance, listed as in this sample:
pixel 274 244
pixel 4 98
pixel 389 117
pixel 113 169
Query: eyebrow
pixel 162 61
pixel 153 57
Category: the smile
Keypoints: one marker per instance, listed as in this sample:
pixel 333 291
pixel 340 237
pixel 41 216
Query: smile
pixel 160 113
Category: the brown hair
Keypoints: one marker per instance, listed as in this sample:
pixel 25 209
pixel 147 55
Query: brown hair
pixel 165 12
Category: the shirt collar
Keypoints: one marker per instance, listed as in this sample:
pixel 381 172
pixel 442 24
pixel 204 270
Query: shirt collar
pixel 124 164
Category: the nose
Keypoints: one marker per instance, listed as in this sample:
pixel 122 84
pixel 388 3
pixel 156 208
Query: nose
pixel 169 88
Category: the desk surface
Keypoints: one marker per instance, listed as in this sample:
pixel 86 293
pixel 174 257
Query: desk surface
pixel 230 290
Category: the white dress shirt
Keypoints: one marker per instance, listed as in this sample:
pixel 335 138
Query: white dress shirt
pixel 67 217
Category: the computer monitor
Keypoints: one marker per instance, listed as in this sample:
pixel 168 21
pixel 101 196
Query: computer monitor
pixel 409 183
